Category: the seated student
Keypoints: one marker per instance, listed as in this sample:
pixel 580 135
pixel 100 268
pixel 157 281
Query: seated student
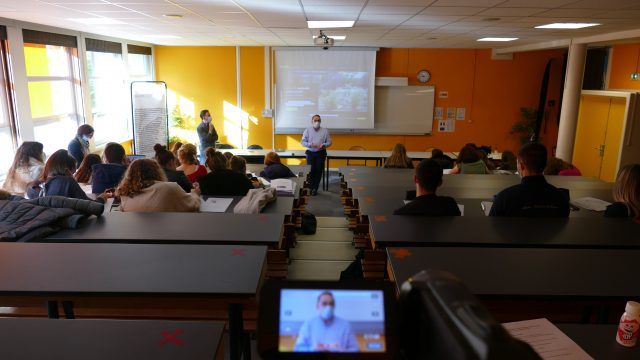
pixel 557 166
pixel 222 180
pixel 174 150
pixel 533 197
pixel 84 172
pixel 508 161
pixel 239 165
pixel 626 193
pixel 469 162
pixel 428 178
pixel 228 155
pixel 484 156
pixel 274 168
pixel 27 166
pixel 398 158
pixel 145 189
pixel 57 180
pixel 188 156
pixel 442 159
pixel 167 162
pixel 108 175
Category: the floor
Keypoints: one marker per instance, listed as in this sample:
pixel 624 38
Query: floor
pixel 323 255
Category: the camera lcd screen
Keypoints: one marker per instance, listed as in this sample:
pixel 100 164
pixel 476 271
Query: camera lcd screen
pixel 316 320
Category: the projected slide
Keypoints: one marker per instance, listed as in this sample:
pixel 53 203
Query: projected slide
pixel 338 85
pixel 331 320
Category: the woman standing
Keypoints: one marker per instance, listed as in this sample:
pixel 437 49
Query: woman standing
pixel 79 146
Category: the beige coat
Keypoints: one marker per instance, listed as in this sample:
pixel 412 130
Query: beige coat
pixel 162 197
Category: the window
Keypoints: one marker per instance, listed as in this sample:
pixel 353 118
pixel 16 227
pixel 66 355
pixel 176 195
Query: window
pixel 54 87
pixel 109 93
pixel 140 63
pixel 7 129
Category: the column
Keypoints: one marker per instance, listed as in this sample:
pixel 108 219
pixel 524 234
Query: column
pixel 571 101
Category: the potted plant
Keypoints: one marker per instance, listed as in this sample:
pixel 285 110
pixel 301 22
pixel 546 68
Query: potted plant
pixel 526 126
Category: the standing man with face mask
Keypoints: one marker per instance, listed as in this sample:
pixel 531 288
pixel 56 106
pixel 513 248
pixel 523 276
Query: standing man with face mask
pixel 316 139
pixel 207 133
pixel 326 332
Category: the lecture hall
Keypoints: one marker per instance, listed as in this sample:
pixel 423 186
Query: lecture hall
pixel 349 179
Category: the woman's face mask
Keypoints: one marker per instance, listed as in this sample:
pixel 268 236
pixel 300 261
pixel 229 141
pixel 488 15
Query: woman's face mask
pixel 316 124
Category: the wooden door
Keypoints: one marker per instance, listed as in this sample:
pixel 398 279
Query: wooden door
pixel 590 134
pixel 612 140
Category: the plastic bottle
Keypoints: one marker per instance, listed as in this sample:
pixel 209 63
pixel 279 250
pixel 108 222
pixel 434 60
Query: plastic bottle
pixel 629 324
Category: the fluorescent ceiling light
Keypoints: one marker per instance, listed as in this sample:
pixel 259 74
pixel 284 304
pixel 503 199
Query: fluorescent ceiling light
pixel 335 37
pixel 97 21
pixel 329 24
pixel 497 39
pixel 566 25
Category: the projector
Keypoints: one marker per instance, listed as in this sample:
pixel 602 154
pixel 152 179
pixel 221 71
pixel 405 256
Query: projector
pixel 323 40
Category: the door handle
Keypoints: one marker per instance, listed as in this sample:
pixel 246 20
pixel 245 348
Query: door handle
pixel 600 150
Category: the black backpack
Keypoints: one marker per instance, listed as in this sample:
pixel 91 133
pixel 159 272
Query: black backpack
pixel 354 270
pixel 309 223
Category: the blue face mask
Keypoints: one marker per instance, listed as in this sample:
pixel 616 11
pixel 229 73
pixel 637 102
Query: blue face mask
pixel 316 124
pixel 326 313
pixel 86 138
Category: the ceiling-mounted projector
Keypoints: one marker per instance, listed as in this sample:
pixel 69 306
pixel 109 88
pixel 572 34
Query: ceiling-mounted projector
pixel 323 40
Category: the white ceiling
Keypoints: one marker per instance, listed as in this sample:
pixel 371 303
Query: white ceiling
pixel 383 23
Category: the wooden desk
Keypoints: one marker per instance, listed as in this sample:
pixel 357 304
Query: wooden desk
pixel 177 228
pixel 136 281
pixel 517 283
pixel 36 339
pixel 504 232
pixel 599 341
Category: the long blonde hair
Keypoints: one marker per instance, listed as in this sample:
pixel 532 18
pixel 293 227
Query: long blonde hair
pixel 626 188
pixel 141 174
pixel 398 157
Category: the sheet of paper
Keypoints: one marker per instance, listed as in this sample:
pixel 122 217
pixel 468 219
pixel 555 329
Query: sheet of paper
pixel 218 205
pixel 461 207
pixel 590 203
pixel 546 339
pixel 486 207
pixel 284 186
pixel 107 206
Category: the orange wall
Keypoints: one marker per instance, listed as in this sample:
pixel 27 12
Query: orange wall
pixel 492 91
pixel 624 62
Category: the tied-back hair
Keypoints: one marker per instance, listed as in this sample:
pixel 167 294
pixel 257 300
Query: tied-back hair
pixel 176 147
pixel 398 157
pixel 216 160
pixel 626 188
pixel 163 156
pixel 83 174
pixel 272 158
pixel 188 154
pixel 26 151
pixel 84 129
pixel 60 163
pixel 141 174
